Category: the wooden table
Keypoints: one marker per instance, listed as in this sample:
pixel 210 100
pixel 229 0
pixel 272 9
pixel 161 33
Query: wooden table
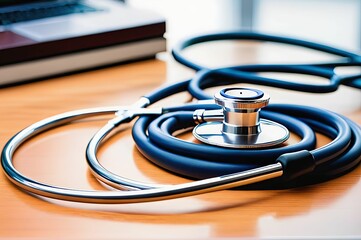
pixel 331 209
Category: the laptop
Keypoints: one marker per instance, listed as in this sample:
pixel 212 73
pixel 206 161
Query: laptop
pixel 44 38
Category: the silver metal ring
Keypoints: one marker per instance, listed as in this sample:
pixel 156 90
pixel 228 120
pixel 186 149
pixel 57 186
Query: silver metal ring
pixel 241 125
pixel 87 196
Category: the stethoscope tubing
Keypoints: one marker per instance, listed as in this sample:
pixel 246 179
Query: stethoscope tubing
pixel 153 134
pixel 115 197
pixel 177 51
pixel 154 139
pixel 244 74
pixel 198 162
pixel 240 72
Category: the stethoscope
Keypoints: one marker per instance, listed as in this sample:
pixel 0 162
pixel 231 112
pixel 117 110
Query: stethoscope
pixel 241 133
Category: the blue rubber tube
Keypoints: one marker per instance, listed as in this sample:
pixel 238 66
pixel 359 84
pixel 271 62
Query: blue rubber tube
pixel 161 129
pixel 347 58
pixel 198 161
pixel 177 50
pixel 154 139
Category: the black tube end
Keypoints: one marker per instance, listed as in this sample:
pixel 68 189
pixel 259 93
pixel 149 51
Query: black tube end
pixel 296 164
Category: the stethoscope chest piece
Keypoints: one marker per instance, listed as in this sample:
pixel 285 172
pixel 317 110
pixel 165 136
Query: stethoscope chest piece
pixel 241 126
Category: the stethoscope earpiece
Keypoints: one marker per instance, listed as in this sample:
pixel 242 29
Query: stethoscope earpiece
pixel 238 124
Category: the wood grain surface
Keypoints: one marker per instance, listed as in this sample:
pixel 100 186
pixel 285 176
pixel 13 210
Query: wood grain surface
pixel 327 210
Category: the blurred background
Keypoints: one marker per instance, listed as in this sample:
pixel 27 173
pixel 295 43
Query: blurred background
pixel 334 22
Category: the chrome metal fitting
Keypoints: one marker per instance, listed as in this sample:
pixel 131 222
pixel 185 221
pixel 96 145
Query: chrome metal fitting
pixel 241 125
pixel 241 107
